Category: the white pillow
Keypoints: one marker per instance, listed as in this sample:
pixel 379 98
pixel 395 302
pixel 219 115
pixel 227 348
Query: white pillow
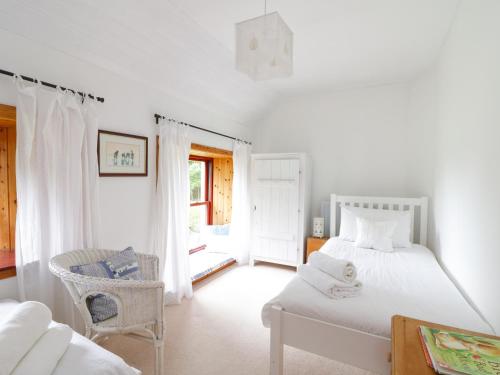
pixel 347 230
pixel 401 236
pixel 375 235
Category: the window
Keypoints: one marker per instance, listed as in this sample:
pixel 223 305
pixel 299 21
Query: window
pixel 7 190
pixel 200 212
pixel 211 178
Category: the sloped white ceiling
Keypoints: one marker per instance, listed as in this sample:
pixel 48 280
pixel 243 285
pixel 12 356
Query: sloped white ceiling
pixel 186 47
pixel 341 43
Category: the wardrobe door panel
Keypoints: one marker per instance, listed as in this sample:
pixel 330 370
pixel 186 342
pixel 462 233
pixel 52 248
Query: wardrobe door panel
pixel 276 209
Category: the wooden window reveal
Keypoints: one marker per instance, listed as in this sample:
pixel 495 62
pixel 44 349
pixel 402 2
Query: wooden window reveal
pixel 222 181
pixel 8 203
pixel 223 190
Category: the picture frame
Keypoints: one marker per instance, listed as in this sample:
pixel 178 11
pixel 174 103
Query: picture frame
pixel 122 155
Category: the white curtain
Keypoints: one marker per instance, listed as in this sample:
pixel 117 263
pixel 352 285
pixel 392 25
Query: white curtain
pixel 171 231
pixel 57 192
pixel 240 216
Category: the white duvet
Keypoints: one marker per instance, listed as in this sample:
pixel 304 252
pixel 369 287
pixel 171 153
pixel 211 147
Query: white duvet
pixel 408 281
pixel 82 356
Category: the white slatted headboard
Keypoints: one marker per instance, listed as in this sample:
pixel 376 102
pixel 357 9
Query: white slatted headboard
pixel 416 206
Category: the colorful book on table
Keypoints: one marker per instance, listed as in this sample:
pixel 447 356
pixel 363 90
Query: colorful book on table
pixel 427 356
pixel 454 353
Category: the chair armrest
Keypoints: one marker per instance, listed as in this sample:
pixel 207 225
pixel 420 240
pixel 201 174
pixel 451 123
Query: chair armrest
pixel 149 266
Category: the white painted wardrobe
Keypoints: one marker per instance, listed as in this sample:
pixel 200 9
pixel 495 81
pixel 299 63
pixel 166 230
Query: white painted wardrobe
pixel 281 207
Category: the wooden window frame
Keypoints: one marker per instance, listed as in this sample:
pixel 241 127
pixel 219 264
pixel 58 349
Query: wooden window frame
pixel 8 120
pixel 208 202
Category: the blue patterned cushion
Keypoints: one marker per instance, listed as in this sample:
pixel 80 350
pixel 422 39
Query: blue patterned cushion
pixel 220 230
pixel 119 266
pixel 101 307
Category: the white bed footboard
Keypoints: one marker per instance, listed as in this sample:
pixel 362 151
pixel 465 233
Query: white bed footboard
pixel 357 348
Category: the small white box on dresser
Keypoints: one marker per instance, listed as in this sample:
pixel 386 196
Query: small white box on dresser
pixel 281 200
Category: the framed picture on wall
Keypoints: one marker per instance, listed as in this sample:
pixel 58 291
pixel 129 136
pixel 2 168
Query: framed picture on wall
pixel 122 154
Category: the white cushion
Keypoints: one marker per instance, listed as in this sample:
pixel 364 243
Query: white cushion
pixel 375 235
pixel 401 236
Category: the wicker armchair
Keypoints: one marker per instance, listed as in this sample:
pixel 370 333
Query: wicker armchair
pixel 140 303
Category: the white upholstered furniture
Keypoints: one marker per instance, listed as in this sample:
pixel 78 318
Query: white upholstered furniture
pixel 342 343
pixel 139 302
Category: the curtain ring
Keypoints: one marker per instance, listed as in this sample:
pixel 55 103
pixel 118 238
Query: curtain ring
pixel 90 96
pixel 37 84
pixel 61 93
pixel 16 78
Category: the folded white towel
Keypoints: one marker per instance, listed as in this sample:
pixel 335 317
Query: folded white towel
pixel 43 357
pixel 340 269
pixel 328 285
pixel 26 323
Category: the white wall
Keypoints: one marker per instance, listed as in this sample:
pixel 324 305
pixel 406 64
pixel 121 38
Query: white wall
pixel 8 288
pixel 420 169
pixel 422 107
pixel 467 175
pixel 129 107
pixel 358 139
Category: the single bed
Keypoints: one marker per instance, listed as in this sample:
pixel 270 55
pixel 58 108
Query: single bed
pixel 83 357
pixel 356 330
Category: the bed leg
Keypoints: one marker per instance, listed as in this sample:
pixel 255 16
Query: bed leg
pixel 276 355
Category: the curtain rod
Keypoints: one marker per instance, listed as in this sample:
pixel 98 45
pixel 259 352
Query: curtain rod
pixel 158 117
pixel 7 73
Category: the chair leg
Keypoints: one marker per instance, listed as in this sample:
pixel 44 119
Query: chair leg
pixel 157 368
pixel 88 332
pixel 159 354
pixel 161 349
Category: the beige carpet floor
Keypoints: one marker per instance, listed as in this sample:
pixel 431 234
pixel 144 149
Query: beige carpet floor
pixel 219 331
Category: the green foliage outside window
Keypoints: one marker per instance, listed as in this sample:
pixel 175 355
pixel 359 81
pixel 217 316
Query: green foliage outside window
pixel 195 179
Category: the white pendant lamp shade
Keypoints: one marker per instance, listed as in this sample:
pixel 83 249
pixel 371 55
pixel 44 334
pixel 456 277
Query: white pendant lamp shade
pixel 264 47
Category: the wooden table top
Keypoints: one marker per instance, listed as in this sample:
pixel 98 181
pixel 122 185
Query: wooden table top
pixel 407 353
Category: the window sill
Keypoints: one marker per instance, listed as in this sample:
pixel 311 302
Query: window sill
pixel 6 272
pixel 7 264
